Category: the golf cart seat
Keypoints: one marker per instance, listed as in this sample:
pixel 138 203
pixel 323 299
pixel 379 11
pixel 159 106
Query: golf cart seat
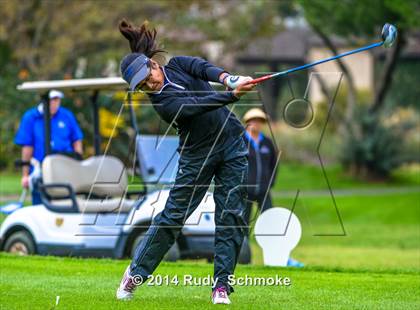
pixel 97 184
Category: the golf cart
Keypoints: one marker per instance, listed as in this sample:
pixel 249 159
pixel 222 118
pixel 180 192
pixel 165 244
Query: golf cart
pixel 90 209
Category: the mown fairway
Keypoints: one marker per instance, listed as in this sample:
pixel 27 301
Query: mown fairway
pixel 375 266
pixel 90 284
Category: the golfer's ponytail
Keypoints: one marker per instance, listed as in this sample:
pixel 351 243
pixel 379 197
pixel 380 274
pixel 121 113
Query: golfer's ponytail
pixel 141 40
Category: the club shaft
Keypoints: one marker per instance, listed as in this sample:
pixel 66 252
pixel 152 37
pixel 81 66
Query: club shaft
pixel 281 73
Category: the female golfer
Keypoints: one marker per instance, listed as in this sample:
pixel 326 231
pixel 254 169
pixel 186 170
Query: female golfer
pixel 211 145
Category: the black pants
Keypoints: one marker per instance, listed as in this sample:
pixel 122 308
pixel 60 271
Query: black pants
pixel 263 202
pixel 229 169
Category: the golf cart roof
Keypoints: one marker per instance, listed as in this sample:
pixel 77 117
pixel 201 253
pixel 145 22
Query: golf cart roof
pixel 109 83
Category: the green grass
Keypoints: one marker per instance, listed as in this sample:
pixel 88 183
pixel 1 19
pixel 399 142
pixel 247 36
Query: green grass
pixel 373 221
pixel 292 176
pixel 34 282
pixel 375 265
pixel 381 232
pixel 9 183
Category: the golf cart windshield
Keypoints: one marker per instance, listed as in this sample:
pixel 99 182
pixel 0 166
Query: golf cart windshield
pixel 158 158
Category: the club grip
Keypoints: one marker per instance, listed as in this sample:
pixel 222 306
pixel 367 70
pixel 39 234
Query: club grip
pixel 260 79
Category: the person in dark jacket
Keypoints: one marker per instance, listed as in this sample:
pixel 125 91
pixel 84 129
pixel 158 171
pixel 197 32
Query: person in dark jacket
pixel 262 167
pixel 262 162
pixel 211 146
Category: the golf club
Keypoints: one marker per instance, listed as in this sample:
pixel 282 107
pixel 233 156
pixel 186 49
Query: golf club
pixel 389 36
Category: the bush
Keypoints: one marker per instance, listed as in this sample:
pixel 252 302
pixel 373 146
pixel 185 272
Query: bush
pixel 377 145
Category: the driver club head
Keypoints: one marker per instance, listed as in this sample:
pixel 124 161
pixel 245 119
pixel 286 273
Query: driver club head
pixel 389 35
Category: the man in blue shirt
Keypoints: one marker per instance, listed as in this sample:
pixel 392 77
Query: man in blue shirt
pixel 66 135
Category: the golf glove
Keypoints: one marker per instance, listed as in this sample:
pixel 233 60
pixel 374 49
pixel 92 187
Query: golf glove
pixel 233 81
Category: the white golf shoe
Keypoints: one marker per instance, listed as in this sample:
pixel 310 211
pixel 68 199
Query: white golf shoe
pixel 127 286
pixel 220 296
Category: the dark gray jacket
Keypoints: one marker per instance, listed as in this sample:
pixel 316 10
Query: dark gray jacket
pixel 262 162
pixel 188 103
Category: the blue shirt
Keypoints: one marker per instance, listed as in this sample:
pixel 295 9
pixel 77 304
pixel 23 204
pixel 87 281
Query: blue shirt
pixel 64 132
pixel 255 144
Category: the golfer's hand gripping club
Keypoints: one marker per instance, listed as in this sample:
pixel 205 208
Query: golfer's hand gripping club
pixel 233 81
pixel 244 87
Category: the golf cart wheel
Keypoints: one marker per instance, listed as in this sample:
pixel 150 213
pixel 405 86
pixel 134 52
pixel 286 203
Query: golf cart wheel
pixel 20 243
pixel 245 253
pixel 171 256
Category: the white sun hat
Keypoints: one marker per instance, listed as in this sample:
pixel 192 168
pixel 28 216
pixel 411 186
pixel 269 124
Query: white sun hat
pixel 253 114
pixel 55 94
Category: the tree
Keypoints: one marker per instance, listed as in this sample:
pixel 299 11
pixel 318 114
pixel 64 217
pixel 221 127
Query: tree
pixel 45 39
pixel 360 22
